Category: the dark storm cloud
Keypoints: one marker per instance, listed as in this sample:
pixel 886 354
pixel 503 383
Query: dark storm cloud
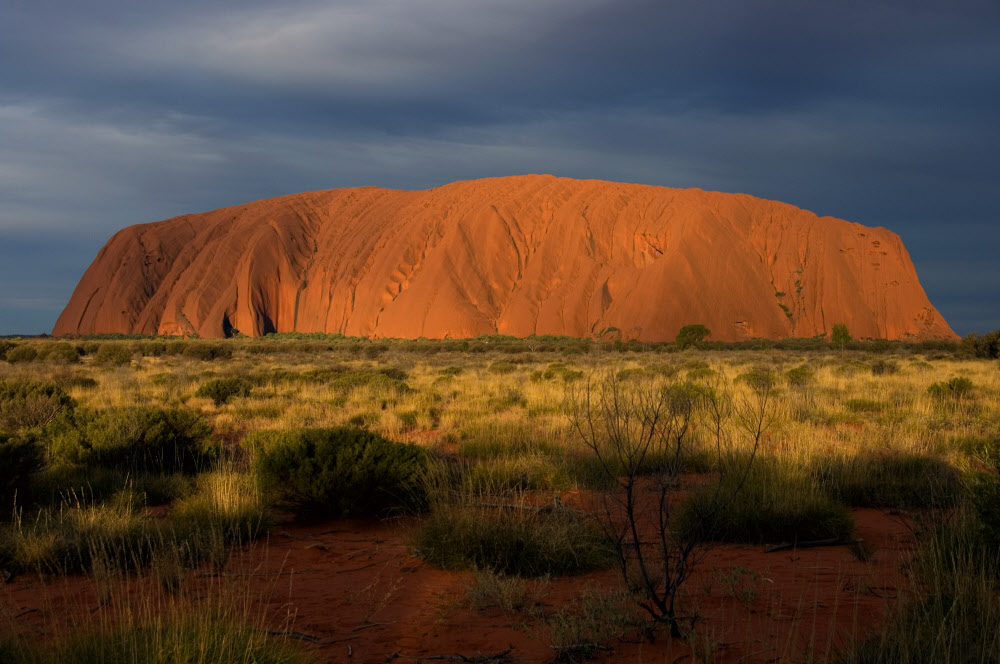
pixel 117 112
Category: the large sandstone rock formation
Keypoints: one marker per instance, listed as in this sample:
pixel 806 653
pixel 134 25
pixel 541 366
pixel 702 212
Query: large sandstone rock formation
pixel 516 255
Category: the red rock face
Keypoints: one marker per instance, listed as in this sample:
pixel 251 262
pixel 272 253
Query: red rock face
pixel 516 255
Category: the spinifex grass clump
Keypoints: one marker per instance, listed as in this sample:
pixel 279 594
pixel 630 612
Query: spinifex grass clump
pixel 950 614
pixel 216 630
pixel 69 538
pixel 55 485
pixel 593 622
pixel 341 471
pixel 900 480
pixel 494 438
pixel 518 539
pixel 776 502
pixel 77 534
pixel 226 508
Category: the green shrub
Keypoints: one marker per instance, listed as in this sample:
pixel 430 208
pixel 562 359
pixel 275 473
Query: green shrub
pixel 522 542
pixel 62 483
pixel 776 502
pixel 759 378
pixel 507 397
pixel 956 388
pixel 800 376
pixel 864 406
pixel 341 471
pixel 113 355
pixel 21 353
pixel 502 367
pixel 408 418
pixel 20 458
pixel 851 368
pixel 27 403
pixel 376 381
pixel 221 390
pixel 689 335
pixel 395 373
pixel 889 480
pixel 363 420
pixel 986 346
pixel 163 489
pixel 882 367
pixel 207 352
pixel 984 492
pixel 840 336
pixel 76 380
pixel 59 353
pixel 139 439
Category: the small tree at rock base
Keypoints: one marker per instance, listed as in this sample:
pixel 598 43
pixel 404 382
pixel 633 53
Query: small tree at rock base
pixel 840 336
pixel 689 335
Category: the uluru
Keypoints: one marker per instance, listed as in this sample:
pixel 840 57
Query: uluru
pixel 521 255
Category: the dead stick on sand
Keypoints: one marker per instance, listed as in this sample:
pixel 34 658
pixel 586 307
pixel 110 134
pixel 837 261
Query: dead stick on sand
pixel 264 574
pixel 356 569
pixel 367 625
pixel 294 635
pixel 806 545
pixel 503 657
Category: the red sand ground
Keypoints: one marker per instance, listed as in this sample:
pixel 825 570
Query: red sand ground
pixel 360 595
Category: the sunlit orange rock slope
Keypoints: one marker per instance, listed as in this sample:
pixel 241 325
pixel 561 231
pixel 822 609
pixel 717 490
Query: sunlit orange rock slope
pixel 516 255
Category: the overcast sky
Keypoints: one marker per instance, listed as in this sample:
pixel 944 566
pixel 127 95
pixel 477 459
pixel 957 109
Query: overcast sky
pixel 114 112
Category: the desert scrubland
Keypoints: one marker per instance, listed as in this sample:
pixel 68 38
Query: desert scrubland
pixel 300 498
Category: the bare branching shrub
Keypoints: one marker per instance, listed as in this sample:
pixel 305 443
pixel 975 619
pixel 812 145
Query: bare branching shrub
pixel 640 430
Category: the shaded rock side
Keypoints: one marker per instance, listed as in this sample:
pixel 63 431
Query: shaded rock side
pixel 516 255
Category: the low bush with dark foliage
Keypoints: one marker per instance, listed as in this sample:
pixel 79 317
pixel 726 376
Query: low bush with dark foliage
pixel 26 403
pixel 21 353
pixel 59 353
pixel 113 354
pixel 20 458
pixel 138 439
pixel 985 346
pixel 221 390
pixel 883 367
pixel 343 471
pixel 206 352
pixel 956 388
